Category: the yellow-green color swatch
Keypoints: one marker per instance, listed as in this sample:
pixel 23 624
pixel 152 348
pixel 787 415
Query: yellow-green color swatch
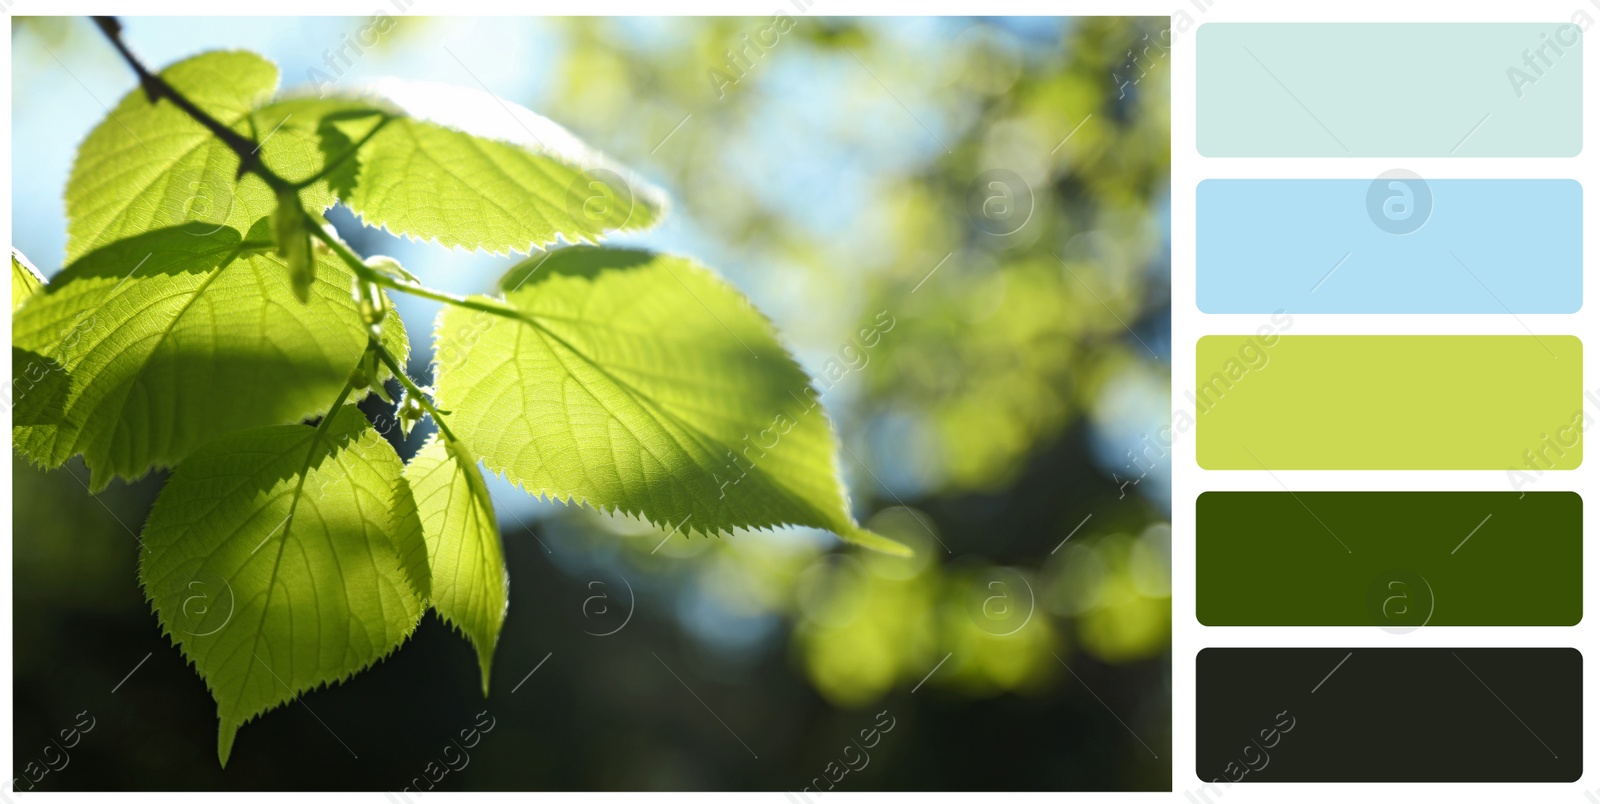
pixel 1389 402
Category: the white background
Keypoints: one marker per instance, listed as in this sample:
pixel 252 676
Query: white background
pixel 1188 324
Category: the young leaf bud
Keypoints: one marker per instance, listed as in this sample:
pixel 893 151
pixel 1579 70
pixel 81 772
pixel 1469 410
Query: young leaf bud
pixel 380 388
pixel 291 232
pixel 390 267
pixel 369 300
pixel 410 413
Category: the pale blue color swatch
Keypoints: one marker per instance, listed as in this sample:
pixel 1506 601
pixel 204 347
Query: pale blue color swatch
pixel 1331 246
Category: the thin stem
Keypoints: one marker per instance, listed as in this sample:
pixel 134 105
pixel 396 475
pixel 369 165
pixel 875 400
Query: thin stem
pixel 343 251
pixel 412 389
pixel 246 149
pixel 349 386
pixel 339 160
pixel 481 305
pixel 316 438
pixel 384 280
pixel 322 426
pixel 156 88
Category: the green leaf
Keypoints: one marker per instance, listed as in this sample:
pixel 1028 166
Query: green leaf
pixel 435 162
pixel 25 279
pixel 642 383
pixel 466 567
pixel 413 545
pixel 466 169
pixel 148 166
pixel 153 345
pixel 327 131
pixel 271 559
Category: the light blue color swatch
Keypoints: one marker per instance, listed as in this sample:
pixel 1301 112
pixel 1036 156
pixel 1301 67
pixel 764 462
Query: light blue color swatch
pixel 1392 245
pixel 1389 89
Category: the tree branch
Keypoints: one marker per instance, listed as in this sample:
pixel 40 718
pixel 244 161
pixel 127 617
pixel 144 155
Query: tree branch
pixel 156 88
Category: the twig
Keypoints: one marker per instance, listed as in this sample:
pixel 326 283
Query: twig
pixel 247 149
pixel 156 88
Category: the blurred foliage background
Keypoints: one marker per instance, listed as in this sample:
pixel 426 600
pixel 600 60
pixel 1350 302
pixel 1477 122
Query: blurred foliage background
pixel 960 226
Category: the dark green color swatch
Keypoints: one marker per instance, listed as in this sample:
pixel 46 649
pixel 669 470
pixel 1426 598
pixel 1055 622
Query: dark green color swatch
pixel 1395 559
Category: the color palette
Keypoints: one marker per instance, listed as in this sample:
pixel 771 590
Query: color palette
pixel 1388 715
pixel 1476 520
pixel 1389 402
pixel 1402 560
pixel 1385 89
pixel 1331 245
